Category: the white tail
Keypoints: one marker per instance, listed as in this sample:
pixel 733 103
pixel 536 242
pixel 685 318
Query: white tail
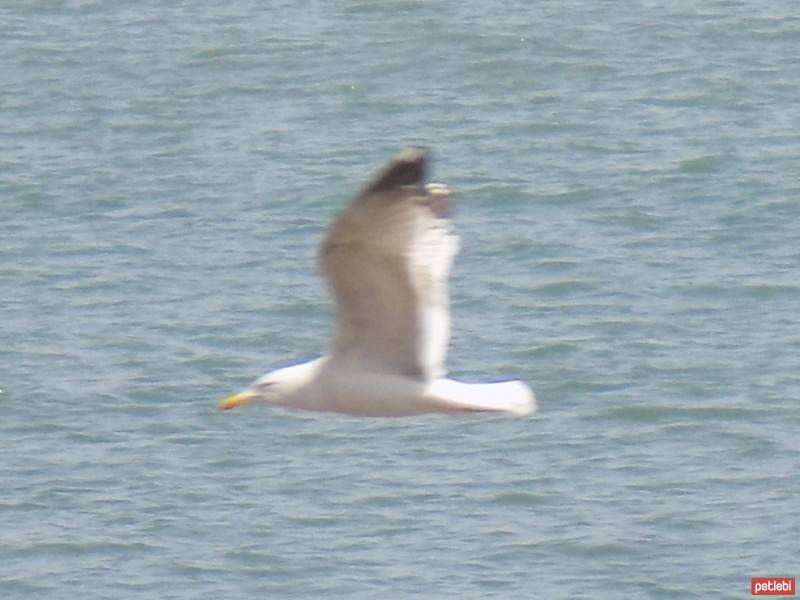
pixel 505 396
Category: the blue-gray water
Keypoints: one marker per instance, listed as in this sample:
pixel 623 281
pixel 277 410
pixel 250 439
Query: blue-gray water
pixel 628 179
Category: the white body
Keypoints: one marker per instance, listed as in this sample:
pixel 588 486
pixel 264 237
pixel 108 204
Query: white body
pixel 321 385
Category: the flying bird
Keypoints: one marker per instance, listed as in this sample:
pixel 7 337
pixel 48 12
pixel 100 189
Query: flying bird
pixel 386 260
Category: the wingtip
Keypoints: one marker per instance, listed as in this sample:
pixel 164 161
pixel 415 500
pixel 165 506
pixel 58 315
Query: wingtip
pixel 411 154
pixel 406 168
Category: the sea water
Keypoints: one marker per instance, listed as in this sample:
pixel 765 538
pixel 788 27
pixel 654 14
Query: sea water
pixel 627 200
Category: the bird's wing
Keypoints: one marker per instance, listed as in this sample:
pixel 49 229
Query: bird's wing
pixel 387 259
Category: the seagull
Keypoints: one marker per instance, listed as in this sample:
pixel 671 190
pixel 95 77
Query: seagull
pixel 386 260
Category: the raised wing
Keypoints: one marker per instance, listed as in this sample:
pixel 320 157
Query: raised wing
pixel 387 259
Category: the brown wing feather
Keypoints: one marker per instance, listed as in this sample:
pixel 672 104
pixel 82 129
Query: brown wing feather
pixel 375 260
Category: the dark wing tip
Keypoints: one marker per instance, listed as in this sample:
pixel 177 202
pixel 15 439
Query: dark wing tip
pixel 406 168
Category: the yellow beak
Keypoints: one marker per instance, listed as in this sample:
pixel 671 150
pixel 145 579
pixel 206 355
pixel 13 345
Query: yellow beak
pixel 236 400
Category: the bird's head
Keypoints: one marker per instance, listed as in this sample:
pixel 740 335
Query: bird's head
pixel 278 387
